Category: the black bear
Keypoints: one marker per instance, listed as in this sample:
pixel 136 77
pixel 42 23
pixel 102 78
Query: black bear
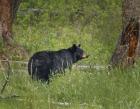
pixel 42 64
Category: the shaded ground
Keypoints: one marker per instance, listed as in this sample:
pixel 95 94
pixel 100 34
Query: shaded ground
pixel 15 52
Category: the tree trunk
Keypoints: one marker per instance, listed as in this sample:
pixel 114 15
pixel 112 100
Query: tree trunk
pixel 8 10
pixel 128 46
pixel 15 6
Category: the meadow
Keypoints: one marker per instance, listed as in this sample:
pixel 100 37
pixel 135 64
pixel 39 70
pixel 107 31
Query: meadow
pixel 96 25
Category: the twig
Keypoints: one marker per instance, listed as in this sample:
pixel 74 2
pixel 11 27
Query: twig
pixel 69 104
pixel 10 61
pixel 7 78
pixel 9 97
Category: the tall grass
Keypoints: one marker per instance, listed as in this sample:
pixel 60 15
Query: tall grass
pixel 88 89
pixel 96 25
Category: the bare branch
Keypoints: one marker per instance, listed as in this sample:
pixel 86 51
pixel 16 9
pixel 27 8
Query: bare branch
pixel 9 70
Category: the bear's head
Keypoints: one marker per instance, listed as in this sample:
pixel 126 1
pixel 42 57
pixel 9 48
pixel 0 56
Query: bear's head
pixel 78 52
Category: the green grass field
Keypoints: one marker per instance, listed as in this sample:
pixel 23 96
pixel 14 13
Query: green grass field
pixel 96 25
pixel 78 89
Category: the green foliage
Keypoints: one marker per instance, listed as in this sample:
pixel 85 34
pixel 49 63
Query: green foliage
pixel 56 24
pixel 86 89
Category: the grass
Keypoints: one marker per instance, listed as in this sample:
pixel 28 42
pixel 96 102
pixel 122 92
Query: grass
pixel 87 88
pixel 79 89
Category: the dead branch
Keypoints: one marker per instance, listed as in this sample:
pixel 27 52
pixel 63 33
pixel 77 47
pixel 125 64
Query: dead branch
pixel 9 70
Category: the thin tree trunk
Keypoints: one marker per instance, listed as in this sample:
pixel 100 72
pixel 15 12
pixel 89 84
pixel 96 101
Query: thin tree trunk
pixel 15 6
pixel 8 10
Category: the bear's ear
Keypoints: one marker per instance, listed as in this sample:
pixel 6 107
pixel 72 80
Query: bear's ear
pixel 74 46
pixel 79 45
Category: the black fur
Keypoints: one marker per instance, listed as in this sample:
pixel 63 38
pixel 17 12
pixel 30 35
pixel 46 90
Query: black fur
pixel 43 63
